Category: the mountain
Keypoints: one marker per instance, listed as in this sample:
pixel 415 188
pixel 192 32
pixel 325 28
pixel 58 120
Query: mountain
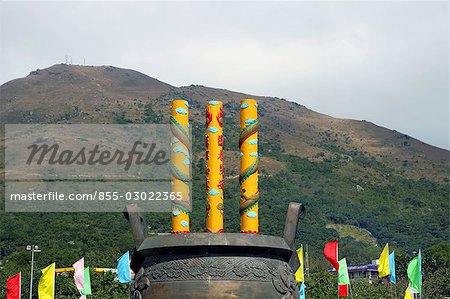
pixel 105 94
pixel 361 182
pixel 66 91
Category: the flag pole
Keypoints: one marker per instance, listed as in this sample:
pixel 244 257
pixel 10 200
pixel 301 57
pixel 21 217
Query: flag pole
pixel 54 279
pixel 337 270
pixel 420 267
pixel 337 275
pixel 303 266
pixel 338 287
pixel 307 260
pixel 31 276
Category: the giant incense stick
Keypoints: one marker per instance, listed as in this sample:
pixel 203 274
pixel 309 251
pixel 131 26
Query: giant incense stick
pixel 214 167
pixel 248 145
pixel 180 166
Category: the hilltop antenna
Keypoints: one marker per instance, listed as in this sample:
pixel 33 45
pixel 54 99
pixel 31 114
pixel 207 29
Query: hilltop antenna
pixel 67 59
pixel 84 61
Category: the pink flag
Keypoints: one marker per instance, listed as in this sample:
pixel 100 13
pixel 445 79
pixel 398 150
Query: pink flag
pixel 78 275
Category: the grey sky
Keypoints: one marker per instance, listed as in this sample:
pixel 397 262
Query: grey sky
pixel 386 62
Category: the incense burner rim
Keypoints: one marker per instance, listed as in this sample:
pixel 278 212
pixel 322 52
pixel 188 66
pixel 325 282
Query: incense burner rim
pixel 213 239
pixel 210 244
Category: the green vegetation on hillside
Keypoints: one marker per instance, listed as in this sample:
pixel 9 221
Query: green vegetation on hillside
pixel 357 233
pixel 408 214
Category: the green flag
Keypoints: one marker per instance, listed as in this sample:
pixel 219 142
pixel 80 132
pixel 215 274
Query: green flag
pixel 414 274
pixel 343 273
pixel 87 283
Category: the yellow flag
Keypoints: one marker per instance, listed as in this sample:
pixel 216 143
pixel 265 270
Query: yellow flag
pixel 299 273
pixel 383 265
pixel 407 294
pixel 46 288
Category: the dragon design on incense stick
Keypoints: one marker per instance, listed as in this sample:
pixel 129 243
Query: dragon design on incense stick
pixel 179 132
pixel 214 167
pixel 247 202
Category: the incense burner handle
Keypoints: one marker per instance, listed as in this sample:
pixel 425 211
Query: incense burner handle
pixel 137 221
pixel 294 213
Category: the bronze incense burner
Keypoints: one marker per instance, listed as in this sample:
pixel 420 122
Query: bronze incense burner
pixel 208 265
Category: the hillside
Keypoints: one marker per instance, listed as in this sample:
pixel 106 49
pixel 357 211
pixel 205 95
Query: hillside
pixel 62 92
pixel 362 182
pixel 86 94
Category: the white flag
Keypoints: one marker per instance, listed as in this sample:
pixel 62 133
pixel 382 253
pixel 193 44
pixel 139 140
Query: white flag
pixel 78 276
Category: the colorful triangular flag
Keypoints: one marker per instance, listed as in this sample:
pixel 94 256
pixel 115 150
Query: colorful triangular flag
pixel 13 286
pixel 330 252
pixel 392 267
pixel 343 290
pixel 414 274
pixel 408 294
pixel 46 287
pixel 383 266
pixel 123 268
pixel 299 273
pixel 87 282
pixel 78 276
pixel 343 272
pixel 302 291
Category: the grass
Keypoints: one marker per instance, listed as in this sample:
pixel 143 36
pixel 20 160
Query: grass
pixel 357 233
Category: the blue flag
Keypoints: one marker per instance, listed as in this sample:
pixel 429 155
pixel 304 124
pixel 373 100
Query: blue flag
pixel 392 267
pixel 123 268
pixel 302 291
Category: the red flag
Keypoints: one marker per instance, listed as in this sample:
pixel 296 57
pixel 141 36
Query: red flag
pixel 343 290
pixel 331 253
pixel 13 287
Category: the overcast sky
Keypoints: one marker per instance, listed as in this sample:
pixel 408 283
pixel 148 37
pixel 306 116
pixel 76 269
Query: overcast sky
pixel 385 62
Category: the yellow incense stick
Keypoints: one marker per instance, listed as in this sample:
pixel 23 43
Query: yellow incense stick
pixel 248 145
pixel 180 166
pixel 214 167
